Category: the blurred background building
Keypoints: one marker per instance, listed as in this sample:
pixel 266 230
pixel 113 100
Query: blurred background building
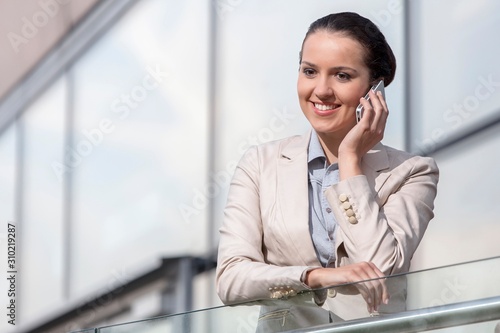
pixel 121 122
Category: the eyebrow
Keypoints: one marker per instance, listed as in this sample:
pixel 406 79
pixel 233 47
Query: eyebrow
pixel 338 68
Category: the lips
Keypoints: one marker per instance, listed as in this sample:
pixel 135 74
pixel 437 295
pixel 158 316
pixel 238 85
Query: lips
pixel 325 109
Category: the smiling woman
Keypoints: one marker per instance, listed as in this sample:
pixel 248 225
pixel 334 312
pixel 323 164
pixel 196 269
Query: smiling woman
pixel 332 206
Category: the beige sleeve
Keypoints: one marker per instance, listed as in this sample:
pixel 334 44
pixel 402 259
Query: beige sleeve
pixel 386 227
pixel 242 273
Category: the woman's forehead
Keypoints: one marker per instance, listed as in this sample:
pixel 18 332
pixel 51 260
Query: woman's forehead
pixel 330 47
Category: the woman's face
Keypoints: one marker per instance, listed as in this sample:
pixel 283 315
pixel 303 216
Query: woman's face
pixel 332 78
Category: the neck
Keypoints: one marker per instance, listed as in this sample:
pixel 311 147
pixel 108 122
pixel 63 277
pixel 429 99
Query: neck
pixel 330 143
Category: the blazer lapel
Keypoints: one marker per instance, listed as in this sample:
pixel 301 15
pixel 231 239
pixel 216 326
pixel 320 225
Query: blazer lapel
pixel 375 161
pixel 293 198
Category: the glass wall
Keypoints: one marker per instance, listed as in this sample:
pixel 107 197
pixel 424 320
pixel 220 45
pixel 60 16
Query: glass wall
pixel 455 77
pixel 41 282
pixel 140 142
pixel 466 225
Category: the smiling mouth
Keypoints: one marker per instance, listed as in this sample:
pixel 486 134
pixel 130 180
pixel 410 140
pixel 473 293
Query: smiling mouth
pixel 325 107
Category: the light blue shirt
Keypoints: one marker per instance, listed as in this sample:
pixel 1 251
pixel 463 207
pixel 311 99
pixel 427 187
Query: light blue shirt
pixel 322 223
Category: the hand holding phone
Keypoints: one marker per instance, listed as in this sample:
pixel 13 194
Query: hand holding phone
pixel 379 86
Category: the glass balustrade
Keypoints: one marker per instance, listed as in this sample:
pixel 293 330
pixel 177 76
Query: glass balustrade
pixel 457 298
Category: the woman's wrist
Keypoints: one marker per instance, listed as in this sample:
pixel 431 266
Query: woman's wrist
pixel 349 166
pixel 312 279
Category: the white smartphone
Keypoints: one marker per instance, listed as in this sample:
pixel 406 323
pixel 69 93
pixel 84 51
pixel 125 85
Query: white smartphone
pixel 379 86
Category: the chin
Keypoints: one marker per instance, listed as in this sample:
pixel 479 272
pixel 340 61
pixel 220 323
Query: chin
pixel 325 128
pixel 332 128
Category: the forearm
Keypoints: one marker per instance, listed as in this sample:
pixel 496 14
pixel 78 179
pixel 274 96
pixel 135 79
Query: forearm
pixel 387 223
pixel 243 281
pixel 243 275
pixel 349 166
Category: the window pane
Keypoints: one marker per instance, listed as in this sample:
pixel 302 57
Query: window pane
pixel 140 141
pixel 466 224
pixel 42 214
pixel 455 73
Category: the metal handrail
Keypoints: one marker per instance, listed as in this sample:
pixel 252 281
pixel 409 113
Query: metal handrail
pixel 449 315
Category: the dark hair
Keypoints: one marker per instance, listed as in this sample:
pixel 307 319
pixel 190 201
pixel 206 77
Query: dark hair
pixel 379 57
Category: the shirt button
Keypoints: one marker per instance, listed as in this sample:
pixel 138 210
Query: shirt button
pixel 353 220
pixel 328 210
pixel 343 197
pixel 349 212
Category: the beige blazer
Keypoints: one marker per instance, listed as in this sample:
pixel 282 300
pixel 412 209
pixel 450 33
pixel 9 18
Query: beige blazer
pixel 265 241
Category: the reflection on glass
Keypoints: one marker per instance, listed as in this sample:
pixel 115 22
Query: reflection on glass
pixel 41 246
pixel 140 143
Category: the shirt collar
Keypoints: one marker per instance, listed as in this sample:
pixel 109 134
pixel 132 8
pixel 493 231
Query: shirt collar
pixel 315 150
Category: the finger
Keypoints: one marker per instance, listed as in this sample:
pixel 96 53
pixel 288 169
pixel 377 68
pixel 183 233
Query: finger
pixel 379 114
pixel 357 276
pixel 375 285
pixel 383 102
pixel 378 293
pixel 384 293
pixel 385 113
pixel 367 112
pixel 367 294
pixel 365 274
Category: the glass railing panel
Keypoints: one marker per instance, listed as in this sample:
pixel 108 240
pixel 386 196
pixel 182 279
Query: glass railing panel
pixel 219 319
pixel 441 298
pixel 463 314
pixel 455 283
pixel 465 295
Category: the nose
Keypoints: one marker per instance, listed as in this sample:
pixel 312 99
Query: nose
pixel 323 89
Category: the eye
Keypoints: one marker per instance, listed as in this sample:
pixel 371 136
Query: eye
pixel 308 71
pixel 343 76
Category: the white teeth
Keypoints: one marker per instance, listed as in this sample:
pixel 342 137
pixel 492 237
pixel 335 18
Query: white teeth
pixel 323 107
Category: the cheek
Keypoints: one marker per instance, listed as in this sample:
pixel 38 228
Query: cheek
pixel 350 97
pixel 299 87
pixel 304 86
